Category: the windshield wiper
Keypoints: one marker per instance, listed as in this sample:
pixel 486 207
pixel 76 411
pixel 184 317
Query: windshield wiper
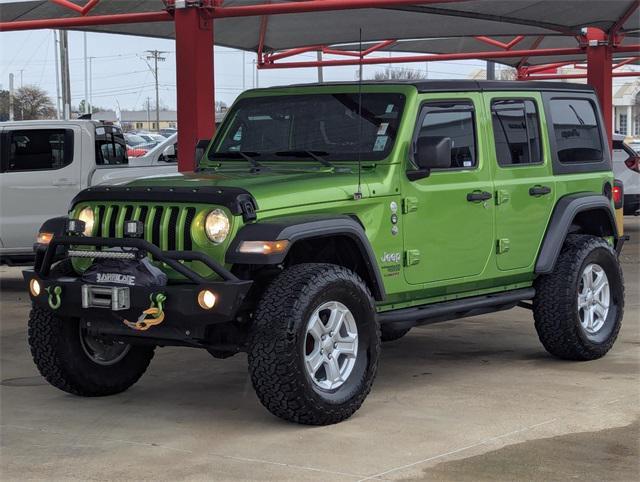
pixel 315 155
pixel 247 156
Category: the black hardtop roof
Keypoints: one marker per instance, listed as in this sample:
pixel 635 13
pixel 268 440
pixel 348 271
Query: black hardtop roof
pixel 464 85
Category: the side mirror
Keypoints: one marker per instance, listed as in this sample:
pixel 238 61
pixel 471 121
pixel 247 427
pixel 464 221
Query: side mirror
pixel 201 147
pixel 433 152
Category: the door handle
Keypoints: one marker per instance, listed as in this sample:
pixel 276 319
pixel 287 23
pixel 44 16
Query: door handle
pixel 539 190
pixel 63 182
pixel 478 196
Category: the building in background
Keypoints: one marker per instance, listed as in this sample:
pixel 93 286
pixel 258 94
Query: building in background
pixel 138 120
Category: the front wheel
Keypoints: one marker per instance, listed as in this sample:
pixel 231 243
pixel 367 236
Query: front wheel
pixel 314 344
pixel 578 308
pixel 72 360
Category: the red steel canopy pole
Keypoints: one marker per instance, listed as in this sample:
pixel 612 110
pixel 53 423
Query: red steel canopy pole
pixel 194 77
pixel 599 56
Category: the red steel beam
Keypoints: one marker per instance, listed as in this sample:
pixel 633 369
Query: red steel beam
pixel 497 43
pixel 77 8
pixel 377 46
pixel 599 74
pixel 539 68
pixel 426 58
pixel 87 21
pixel 578 76
pixel 613 31
pixel 535 45
pixel 194 78
pixel 625 62
pixel 315 6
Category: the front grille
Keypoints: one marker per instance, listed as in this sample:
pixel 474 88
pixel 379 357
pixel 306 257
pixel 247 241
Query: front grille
pixel 168 227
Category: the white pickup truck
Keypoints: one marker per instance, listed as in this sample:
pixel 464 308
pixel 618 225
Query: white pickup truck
pixel 44 164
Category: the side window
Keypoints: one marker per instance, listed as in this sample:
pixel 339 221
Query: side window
pixel 110 148
pixel 455 120
pixel 576 130
pixel 38 150
pixel 516 130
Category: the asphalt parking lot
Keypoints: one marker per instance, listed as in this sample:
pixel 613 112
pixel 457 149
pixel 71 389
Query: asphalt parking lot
pixel 468 400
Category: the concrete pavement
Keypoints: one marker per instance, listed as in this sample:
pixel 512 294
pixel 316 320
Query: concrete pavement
pixel 469 400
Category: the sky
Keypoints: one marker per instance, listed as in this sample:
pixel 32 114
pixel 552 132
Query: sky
pixel 121 76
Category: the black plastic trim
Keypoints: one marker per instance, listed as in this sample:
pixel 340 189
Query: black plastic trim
pixel 237 200
pixel 563 215
pixel 296 228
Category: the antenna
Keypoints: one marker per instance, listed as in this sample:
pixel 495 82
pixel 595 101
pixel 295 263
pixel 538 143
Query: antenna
pixel 358 194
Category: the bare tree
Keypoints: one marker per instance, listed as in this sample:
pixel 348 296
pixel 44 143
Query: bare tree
pixel 398 74
pixel 32 102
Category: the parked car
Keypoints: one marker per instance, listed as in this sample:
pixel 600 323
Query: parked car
pixel 44 164
pixel 168 131
pixel 323 220
pixel 152 139
pixel 165 152
pixel 626 167
pixel 137 145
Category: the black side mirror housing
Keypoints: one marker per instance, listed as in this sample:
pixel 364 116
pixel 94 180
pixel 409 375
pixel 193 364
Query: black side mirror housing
pixel 433 152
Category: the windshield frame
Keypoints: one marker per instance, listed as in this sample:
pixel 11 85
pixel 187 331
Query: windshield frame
pixel 210 159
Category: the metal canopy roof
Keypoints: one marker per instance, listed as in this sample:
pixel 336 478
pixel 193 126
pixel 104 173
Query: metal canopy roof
pixel 426 20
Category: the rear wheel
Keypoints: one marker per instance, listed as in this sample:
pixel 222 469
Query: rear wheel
pixel 578 308
pixel 314 345
pixel 76 362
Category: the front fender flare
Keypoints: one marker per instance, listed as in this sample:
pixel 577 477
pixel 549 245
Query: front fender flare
pixel 296 228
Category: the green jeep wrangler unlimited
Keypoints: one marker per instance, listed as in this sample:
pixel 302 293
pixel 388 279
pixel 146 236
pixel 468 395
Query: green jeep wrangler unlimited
pixel 325 219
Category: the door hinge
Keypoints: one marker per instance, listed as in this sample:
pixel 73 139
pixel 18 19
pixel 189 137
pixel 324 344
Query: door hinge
pixel 503 245
pixel 502 196
pixel 409 204
pixel 411 257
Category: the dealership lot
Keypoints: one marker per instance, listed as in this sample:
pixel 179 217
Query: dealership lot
pixel 474 399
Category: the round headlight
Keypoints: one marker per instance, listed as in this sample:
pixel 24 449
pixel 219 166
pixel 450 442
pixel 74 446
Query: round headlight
pixel 217 226
pixel 86 215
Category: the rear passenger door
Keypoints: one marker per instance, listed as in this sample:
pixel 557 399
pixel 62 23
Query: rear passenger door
pixel 524 188
pixel 40 175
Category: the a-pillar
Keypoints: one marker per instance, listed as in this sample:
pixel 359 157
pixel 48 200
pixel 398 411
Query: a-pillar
pixel 599 75
pixel 194 79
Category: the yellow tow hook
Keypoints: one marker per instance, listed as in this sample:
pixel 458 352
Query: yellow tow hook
pixel 154 315
pixel 54 296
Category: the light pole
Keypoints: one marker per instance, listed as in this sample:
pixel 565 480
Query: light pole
pixel 157 56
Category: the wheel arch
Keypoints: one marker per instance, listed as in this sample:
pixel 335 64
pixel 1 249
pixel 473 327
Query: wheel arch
pixel 575 214
pixel 312 239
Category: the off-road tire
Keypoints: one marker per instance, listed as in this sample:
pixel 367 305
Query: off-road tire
pixel 555 305
pixel 57 352
pixel 389 332
pixel 276 341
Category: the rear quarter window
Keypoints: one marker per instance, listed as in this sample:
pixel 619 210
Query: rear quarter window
pixel 576 133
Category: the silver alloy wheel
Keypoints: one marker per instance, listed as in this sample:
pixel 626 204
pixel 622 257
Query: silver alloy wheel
pixel 594 297
pixel 102 352
pixel 331 345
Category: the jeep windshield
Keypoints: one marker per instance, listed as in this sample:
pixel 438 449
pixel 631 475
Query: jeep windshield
pixel 309 127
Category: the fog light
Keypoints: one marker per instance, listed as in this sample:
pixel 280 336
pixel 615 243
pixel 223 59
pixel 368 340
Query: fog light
pixel 34 287
pixel 206 299
pixel 44 238
pixel 264 247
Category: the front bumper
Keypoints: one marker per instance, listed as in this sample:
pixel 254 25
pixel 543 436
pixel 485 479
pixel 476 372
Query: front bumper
pixel 184 319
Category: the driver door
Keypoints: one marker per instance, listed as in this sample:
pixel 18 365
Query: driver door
pixel 449 215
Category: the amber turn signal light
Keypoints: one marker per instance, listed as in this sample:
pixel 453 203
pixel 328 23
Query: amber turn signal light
pixel 44 238
pixel 264 247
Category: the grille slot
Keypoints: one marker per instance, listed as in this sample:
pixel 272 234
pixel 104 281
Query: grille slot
pixel 172 231
pixel 155 228
pixel 186 236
